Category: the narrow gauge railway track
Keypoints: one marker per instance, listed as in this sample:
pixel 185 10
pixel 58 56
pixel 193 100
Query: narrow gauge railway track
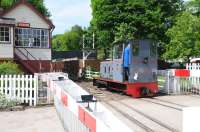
pixel 132 119
pixel 104 95
pixel 179 108
pixel 151 118
pixel 169 102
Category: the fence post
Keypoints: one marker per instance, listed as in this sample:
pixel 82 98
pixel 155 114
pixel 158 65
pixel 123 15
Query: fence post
pixel 168 81
pixel 31 79
pixel 6 85
pixel 35 89
pixel 18 87
pixel 26 88
pixel 10 85
pixel 22 87
pixel 1 86
pixel 14 86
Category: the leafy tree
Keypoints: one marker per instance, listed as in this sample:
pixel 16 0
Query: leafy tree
pixel 184 38
pixel 193 6
pixel 135 19
pixel 58 43
pixel 39 4
pixel 70 40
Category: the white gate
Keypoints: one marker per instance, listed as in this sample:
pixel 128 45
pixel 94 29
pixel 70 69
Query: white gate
pixel 170 84
pixel 20 87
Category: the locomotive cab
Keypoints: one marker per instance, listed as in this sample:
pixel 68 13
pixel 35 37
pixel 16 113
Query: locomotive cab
pixel 132 68
pixel 142 61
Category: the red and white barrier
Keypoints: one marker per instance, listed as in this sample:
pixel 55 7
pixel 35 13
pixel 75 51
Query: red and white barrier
pixel 185 73
pixel 67 97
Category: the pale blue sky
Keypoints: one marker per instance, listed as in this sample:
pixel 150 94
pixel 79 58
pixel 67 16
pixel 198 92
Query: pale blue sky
pixel 66 13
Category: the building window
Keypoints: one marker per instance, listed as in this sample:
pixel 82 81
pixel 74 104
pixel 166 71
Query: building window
pixel 4 34
pixel 31 37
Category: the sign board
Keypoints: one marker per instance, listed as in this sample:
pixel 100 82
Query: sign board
pixel 24 25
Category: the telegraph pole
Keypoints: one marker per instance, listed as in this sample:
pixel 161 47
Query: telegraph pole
pixel 84 51
pixel 87 52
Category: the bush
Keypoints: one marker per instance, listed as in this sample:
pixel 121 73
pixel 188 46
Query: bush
pixel 5 103
pixel 9 68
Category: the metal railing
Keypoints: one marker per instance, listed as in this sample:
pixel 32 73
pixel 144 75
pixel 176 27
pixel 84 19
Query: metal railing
pixel 89 74
pixel 37 67
pixel 193 66
pixel 170 84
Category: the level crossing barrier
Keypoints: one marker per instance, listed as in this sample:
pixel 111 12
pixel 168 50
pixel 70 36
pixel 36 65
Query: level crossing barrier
pixel 76 115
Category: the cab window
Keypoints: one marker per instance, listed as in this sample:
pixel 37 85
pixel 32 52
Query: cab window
pixel 135 48
pixel 117 51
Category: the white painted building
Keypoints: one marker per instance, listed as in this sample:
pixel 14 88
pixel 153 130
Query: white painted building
pixel 25 35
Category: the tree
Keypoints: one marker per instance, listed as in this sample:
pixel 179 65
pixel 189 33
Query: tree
pixel 134 19
pixel 39 4
pixel 184 38
pixel 58 43
pixel 193 6
pixel 70 40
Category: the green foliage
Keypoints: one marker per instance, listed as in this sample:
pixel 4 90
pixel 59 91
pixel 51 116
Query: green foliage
pixel 70 40
pixel 193 6
pixel 184 38
pixel 39 4
pixel 5 103
pixel 58 43
pixel 138 19
pixel 9 68
pixel 6 3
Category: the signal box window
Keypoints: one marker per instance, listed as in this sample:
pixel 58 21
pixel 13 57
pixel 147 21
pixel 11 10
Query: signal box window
pixel 4 34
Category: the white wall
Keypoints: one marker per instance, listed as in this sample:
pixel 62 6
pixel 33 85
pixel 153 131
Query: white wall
pixel 6 50
pixel 40 54
pixel 24 14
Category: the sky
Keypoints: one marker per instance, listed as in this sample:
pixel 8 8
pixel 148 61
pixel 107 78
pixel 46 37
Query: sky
pixel 67 13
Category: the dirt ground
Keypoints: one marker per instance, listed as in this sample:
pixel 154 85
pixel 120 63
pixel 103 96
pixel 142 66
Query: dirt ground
pixel 43 119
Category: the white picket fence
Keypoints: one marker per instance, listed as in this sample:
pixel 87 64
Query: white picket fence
pixel 22 88
pixel 193 66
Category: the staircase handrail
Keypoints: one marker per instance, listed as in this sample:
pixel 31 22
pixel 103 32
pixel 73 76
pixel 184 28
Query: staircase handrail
pixel 26 56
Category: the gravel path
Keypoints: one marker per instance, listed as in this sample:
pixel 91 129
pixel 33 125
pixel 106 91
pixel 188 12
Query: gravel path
pixel 43 119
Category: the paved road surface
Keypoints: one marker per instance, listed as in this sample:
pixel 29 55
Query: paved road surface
pixel 31 120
